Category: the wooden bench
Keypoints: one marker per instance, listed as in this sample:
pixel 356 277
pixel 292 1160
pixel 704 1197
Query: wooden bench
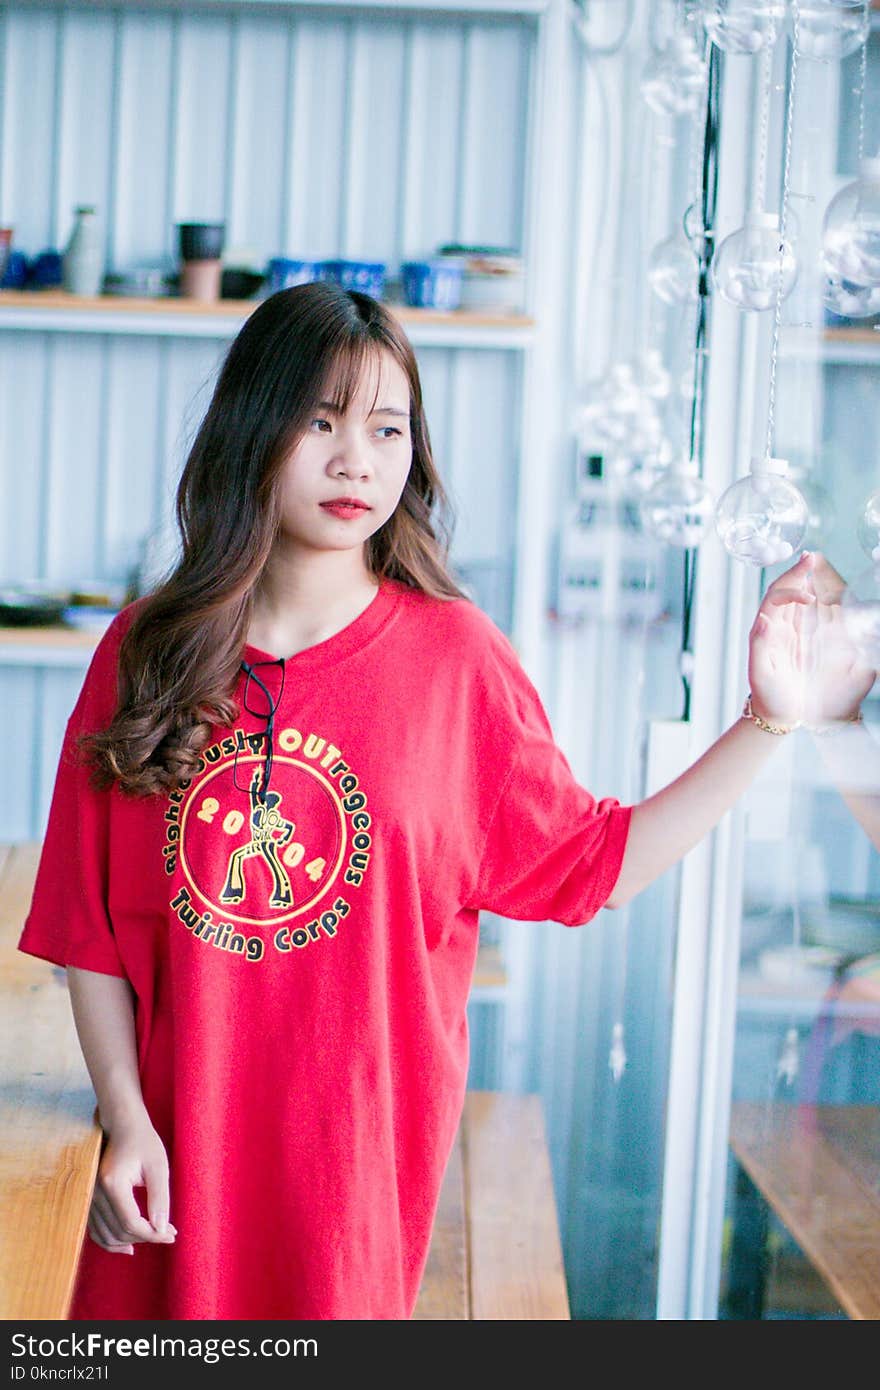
pixel 817 1167
pixel 495 1252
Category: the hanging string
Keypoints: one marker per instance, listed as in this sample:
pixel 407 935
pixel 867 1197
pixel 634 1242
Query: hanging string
pixel 786 182
pixel 863 63
pixel 766 87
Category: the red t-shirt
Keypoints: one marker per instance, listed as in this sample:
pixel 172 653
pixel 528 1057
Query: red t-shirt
pixel 301 965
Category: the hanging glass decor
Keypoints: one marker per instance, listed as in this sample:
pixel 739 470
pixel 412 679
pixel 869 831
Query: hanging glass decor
pixel 619 415
pixel 651 375
pixel 639 472
pixel 851 228
pixel 674 81
pixel 672 270
pixel 831 29
pixel 679 507
pixel 742 26
pixel 868 529
pixel 849 300
pixel 753 262
pixel 762 518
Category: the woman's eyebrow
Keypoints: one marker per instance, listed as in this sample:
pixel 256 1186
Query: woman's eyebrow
pixel 389 410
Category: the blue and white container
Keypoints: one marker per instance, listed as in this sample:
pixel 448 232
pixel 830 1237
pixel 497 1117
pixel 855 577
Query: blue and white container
pixel 432 284
pixel 283 273
pixel 366 276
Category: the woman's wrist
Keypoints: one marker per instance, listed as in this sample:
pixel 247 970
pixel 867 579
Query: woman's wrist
pixel 763 721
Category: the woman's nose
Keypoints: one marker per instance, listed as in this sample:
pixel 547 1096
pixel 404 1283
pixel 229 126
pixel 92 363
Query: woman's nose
pixel 352 457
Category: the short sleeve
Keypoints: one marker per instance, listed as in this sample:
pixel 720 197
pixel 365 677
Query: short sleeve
pixel 552 851
pixel 68 921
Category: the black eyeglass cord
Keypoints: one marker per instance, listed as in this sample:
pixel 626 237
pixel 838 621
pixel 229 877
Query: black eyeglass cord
pixel 272 704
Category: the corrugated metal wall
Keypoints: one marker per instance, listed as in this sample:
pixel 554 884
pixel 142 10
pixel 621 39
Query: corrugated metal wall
pixel 310 136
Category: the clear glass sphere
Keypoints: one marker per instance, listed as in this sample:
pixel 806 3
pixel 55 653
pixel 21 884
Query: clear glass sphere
pixel 673 270
pixel 673 82
pixel 851 228
pixel 637 473
pixel 868 528
pixel 860 610
pixel 678 508
pixel 831 29
pixel 652 376
pixel 695 230
pixel 618 414
pixel 762 518
pixel 748 267
pixel 849 300
pixel 742 26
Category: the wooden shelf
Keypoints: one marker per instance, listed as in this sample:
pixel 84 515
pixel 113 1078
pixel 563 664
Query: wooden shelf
pixel 47 646
pixel 57 311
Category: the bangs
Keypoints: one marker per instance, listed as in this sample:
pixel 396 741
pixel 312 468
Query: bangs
pixel 352 359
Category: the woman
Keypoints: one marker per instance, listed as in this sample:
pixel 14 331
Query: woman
pixel 308 762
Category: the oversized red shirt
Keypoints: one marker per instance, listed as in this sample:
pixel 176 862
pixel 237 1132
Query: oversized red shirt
pixel 301 964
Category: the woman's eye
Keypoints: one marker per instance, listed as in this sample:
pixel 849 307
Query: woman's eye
pixel 388 431
pixel 320 424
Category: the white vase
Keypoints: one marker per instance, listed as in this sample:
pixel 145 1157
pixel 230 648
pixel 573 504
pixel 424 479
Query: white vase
pixel 84 255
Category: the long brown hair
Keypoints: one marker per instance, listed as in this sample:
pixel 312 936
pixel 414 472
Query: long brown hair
pixel 179 659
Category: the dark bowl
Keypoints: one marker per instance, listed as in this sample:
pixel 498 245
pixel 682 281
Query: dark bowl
pixel 238 283
pixel 201 241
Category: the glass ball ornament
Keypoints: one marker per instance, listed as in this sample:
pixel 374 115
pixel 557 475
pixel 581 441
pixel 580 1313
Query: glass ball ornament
pixel 851 228
pixel 673 82
pixel 849 300
pixel 831 29
pixel 673 269
pixel 748 266
pixel 679 507
pixel 742 26
pixel 652 376
pixel 860 610
pixel 762 518
pixel 618 415
pixel 637 473
pixel 868 529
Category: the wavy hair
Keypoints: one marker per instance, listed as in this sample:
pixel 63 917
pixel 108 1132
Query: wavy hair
pixel 179 659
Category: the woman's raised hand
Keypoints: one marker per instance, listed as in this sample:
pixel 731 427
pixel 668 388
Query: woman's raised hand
pixel 803 666
pixel 776 645
pixel 837 675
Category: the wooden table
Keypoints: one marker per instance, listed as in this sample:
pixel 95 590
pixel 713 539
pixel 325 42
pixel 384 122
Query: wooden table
pixel 817 1167
pixel 51 1144
pixel 495 1252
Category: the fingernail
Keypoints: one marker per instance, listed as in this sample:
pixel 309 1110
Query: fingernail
pixel 160 1223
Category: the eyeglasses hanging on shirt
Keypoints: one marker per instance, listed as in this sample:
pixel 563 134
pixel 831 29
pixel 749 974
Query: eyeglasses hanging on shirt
pixel 259 701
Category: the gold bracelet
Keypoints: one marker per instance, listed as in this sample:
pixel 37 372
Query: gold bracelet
pixel 749 713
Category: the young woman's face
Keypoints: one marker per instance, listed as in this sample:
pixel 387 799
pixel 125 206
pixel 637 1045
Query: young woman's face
pixel 345 476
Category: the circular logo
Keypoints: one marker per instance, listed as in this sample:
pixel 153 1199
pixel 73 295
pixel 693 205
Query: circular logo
pixel 259 861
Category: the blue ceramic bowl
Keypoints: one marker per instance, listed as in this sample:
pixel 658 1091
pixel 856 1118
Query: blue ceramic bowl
pixel 284 274
pixel 432 284
pixel 366 276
